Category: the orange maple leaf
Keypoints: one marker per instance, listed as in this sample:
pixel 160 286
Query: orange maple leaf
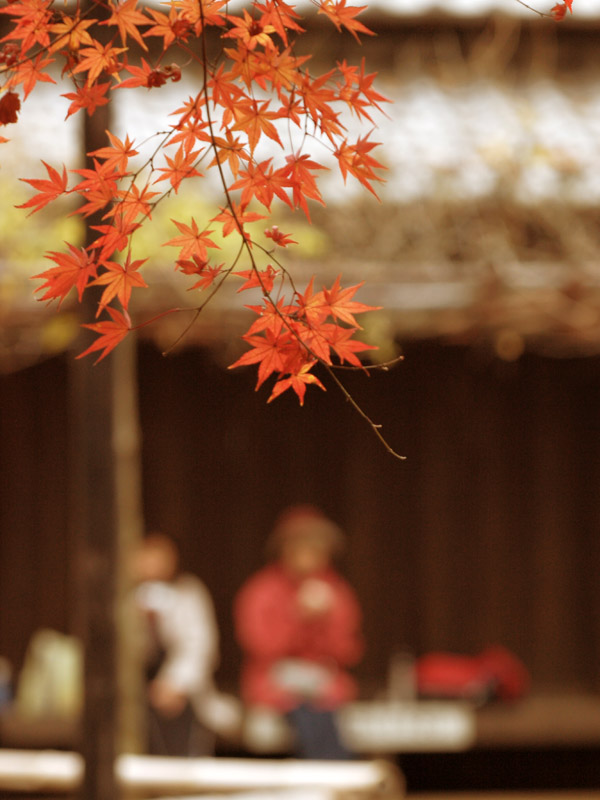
pixel 255 121
pixel 73 270
pixel 262 182
pixel 357 90
pixel 193 240
pixel 113 237
pixel 281 16
pixel 132 202
pixel 345 347
pixel 29 72
pixel 304 185
pixel 88 97
pixel 33 24
pixel 340 305
pixel 251 31
pixel 355 159
pixel 112 332
pixel 229 150
pixel 71 33
pixel 98 187
pixel 117 154
pixel 99 58
pixel 47 189
pixel 258 278
pixel 127 18
pixel 172 27
pixel 343 16
pixel 119 280
pixel 234 222
pixel 179 167
pixel 315 340
pixel 270 316
pixel 298 382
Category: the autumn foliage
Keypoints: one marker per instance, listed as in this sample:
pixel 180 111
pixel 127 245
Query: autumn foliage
pixel 254 91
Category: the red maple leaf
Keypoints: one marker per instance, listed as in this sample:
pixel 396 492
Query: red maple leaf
pixel 207 272
pixel 270 316
pixel 47 189
pixel 119 280
pixel 148 76
pixel 280 238
pixel 10 105
pixel 73 270
pixel 298 382
pixel 112 332
pixel 266 352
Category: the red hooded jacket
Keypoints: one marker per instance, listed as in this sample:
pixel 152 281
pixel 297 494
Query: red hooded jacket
pixel 271 627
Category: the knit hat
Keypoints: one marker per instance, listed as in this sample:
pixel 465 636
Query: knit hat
pixel 305 523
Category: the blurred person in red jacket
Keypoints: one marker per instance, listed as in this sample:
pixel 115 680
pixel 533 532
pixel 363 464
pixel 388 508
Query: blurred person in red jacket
pixel 298 623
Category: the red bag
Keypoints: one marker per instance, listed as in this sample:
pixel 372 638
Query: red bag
pixel 493 674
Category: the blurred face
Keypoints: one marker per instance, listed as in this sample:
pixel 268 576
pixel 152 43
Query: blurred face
pixel 303 557
pixel 154 563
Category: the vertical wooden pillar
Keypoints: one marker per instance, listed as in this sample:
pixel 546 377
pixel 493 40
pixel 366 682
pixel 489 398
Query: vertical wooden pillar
pixel 126 443
pixel 95 532
pixel 107 520
pixel 106 517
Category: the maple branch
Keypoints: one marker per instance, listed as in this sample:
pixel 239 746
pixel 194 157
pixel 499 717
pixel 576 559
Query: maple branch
pixel 199 309
pixel 535 10
pixel 375 427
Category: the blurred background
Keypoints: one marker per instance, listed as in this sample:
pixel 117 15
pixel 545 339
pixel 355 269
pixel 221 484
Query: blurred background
pixel 484 256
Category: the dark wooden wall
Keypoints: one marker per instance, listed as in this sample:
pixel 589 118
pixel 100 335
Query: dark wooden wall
pixel 487 533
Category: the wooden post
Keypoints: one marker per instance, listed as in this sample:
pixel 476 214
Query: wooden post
pixel 107 521
pixel 95 529
pixel 106 518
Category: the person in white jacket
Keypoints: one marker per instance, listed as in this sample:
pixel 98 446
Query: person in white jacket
pixel 181 653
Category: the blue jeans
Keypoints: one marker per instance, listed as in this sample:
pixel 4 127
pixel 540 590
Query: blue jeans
pixel 316 733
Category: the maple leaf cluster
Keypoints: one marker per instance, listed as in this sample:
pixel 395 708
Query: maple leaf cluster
pixel 258 120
